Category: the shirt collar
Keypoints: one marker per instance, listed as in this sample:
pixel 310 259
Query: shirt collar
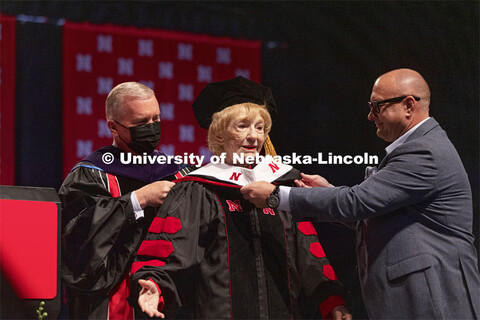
pixel 402 139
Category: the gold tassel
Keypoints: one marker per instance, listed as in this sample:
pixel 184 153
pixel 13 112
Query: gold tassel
pixel 268 147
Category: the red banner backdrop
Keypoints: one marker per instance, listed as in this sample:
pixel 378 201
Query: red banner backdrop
pixel 176 65
pixel 7 100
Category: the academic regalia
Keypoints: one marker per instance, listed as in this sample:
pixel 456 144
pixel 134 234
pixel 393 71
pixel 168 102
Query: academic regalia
pixel 212 253
pixel 100 234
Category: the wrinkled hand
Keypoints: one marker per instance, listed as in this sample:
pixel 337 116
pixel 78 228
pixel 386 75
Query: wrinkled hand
pixel 309 181
pixel 257 193
pixel 341 313
pixel 153 194
pixel 148 299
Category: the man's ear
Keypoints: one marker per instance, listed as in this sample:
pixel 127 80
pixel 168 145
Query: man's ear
pixel 410 106
pixel 113 128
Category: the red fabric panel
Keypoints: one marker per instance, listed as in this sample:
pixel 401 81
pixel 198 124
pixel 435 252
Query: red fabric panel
pixel 118 307
pixel 139 264
pixel 169 225
pixel 329 273
pixel 172 225
pixel 177 65
pixel 29 263
pixel 157 225
pixel 228 256
pixel 155 248
pixel 327 306
pixel 307 228
pixel 113 186
pixel 7 100
pixel 317 250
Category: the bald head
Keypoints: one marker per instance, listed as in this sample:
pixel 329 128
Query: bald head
pixel 402 82
pixel 403 99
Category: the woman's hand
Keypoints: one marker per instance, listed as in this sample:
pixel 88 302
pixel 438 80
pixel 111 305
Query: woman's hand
pixel 148 299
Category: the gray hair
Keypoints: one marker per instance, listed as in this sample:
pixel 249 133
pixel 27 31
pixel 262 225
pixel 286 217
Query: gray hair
pixel 122 93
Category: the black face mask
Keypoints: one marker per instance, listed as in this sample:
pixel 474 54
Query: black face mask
pixel 145 137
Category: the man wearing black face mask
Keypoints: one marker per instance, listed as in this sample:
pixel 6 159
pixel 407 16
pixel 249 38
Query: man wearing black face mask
pixel 109 206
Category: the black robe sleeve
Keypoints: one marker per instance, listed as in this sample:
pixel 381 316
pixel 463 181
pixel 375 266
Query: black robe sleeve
pixel 315 279
pixel 189 210
pixel 320 284
pixel 99 233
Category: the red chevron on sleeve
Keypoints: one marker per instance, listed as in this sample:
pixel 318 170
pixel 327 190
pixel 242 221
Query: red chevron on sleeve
pixel 155 248
pixel 307 228
pixel 317 250
pixel 329 273
pixel 137 265
pixel 168 225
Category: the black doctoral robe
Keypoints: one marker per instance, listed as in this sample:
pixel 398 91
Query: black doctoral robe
pixel 214 255
pixel 100 235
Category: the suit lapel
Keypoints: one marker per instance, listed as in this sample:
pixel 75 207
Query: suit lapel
pixel 420 131
pixel 383 162
pixel 423 129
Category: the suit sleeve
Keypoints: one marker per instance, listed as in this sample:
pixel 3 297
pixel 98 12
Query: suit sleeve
pixel 99 236
pixel 409 177
pixel 175 244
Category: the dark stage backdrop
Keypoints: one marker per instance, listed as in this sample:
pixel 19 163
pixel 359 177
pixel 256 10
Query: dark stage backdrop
pixel 319 58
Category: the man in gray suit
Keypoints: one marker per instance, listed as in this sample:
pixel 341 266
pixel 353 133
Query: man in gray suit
pixel 416 257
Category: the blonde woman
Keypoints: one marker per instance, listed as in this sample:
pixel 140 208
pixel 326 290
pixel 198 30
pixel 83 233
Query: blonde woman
pixel 215 254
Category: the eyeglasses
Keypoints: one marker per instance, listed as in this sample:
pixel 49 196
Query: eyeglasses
pixel 375 105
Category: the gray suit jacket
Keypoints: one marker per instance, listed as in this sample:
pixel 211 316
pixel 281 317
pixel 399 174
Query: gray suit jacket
pixel 415 251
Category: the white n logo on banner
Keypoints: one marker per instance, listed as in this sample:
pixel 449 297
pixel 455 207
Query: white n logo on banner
pixel 104 43
pixel 84 105
pixel 145 47
pixel 185 51
pixel 84 148
pixel 223 56
pixel 104 85
pixel 242 72
pixel 148 83
pixel 185 92
pixel 186 133
pixel 168 149
pixel 167 111
pixel 103 131
pixel 84 62
pixel 165 70
pixel 125 66
pixel 204 74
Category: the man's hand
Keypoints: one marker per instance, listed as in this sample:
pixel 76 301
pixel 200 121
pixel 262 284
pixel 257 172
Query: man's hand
pixel 257 193
pixel 148 299
pixel 309 181
pixel 341 313
pixel 153 194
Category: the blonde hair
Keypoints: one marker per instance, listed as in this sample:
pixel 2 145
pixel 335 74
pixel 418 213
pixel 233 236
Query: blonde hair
pixel 222 120
pixel 122 93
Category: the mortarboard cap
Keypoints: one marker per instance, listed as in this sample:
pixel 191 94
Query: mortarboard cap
pixel 217 96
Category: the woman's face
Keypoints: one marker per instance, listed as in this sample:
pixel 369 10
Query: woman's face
pixel 244 136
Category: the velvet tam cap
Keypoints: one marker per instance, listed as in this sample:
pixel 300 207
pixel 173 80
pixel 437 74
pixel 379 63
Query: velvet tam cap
pixel 217 96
